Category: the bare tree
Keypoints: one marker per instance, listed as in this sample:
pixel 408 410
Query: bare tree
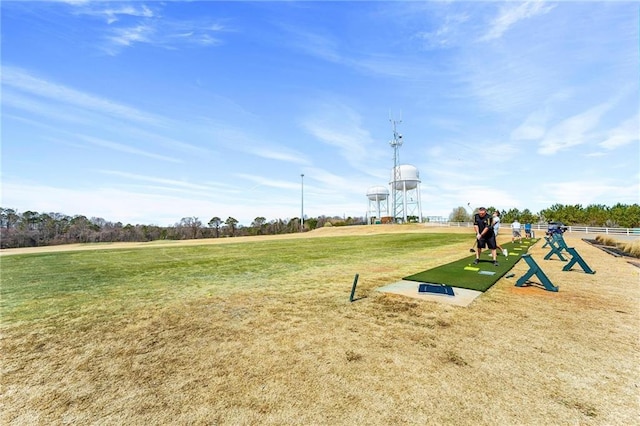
pixel 459 214
pixel 193 224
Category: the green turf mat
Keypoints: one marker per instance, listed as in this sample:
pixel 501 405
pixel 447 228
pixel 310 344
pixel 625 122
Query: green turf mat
pixel 462 273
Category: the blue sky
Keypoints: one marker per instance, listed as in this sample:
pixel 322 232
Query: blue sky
pixel 148 112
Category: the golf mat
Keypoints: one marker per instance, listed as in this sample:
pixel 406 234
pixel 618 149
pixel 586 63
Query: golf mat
pixel 435 289
pixel 464 273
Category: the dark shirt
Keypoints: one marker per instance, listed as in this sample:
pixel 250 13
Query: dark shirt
pixel 482 223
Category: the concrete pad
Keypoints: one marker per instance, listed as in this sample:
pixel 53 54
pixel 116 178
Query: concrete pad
pixel 462 296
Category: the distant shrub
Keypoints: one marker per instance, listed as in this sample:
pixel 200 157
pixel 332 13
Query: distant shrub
pixel 606 241
pixel 632 248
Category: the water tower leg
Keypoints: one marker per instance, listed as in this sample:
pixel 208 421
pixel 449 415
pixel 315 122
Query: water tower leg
pixel 404 201
pixel 419 203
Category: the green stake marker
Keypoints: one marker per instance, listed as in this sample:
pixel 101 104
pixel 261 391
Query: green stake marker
pixel 353 289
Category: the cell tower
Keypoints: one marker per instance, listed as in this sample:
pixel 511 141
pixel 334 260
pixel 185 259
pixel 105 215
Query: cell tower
pixel 396 196
pixel 405 183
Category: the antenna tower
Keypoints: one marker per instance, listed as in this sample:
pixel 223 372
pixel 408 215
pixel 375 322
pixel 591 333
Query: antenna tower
pixel 396 195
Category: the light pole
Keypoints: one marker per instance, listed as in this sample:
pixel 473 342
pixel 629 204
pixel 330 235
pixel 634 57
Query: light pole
pixel 302 202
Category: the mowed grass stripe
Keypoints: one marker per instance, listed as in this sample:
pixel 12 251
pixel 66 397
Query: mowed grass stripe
pixel 39 286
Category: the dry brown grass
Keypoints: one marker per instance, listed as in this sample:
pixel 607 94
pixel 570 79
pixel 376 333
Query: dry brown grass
pixel 307 356
pixel 606 240
pixel 632 248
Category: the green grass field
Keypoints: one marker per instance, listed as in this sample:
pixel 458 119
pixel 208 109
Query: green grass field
pixel 44 286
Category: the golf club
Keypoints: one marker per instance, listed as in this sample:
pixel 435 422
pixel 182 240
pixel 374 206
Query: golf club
pixel 473 247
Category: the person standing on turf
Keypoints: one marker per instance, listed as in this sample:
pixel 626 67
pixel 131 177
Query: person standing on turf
pixel 515 231
pixel 484 234
pixel 496 230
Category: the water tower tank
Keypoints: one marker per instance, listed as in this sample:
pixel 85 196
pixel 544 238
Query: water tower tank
pixel 377 193
pixel 408 178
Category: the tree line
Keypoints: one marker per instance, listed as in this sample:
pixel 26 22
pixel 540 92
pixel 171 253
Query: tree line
pixel 33 229
pixel 596 215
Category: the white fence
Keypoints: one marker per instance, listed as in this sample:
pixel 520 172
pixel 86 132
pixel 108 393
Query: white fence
pixel 543 227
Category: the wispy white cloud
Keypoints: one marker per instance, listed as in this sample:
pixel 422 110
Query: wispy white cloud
pixel 73 2
pixel 115 146
pixel 66 137
pixel 374 62
pixel 337 125
pixel 503 83
pixel 447 34
pixel 318 45
pixel 142 33
pixel 262 181
pixel 349 143
pixel 112 12
pixel 387 65
pixel 457 157
pixel 329 180
pixel 236 139
pixel 628 132
pixel 157 138
pixel 573 131
pixel 35 106
pixel 183 188
pixel 280 154
pixel 130 24
pixel 157 180
pixel 512 13
pixel 23 81
pixel 164 34
pixel 533 128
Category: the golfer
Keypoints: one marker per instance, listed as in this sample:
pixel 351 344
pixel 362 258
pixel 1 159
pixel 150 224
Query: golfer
pixel 496 230
pixel 484 233
pixel 515 231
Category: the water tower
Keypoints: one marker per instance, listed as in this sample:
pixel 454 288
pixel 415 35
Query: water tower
pixel 405 181
pixel 378 205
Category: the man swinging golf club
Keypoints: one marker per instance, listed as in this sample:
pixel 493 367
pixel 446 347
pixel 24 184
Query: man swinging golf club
pixel 482 224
